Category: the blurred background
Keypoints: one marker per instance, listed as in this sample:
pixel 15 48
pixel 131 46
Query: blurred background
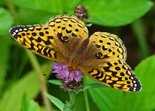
pixel 133 21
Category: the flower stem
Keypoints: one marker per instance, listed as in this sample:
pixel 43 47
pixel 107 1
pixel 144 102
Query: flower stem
pixel 139 31
pixel 72 96
pixel 42 81
pixel 33 60
pixel 86 96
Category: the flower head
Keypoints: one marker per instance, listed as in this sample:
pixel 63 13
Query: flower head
pixel 70 78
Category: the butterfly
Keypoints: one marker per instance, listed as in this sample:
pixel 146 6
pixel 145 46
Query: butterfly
pixel 101 56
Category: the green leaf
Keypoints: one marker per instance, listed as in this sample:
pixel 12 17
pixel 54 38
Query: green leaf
pixel 28 85
pixel 48 5
pixel 69 6
pixel 29 105
pixel 109 99
pixel 4 57
pixel 6 21
pixel 146 71
pixel 108 13
pixel 116 12
pixel 90 86
pixel 30 16
pixel 2 2
pixel 55 82
pixel 53 6
pixel 56 101
pixel 68 106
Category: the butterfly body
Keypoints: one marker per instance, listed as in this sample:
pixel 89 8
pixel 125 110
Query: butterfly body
pixel 101 56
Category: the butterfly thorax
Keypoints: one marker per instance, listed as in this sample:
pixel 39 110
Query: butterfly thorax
pixel 71 68
pixel 78 53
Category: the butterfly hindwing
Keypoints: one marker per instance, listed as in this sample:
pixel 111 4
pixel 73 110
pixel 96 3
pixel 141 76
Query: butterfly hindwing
pixel 112 69
pixel 108 46
pixel 116 74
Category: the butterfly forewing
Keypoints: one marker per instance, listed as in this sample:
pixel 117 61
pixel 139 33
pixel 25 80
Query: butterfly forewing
pixel 48 40
pixel 35 38
pixel 66 27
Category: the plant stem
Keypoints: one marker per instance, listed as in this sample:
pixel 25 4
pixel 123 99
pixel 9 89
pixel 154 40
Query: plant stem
pixel 86 96
pixel 72 97
pixel 139 31
pixel 42 81
pixel 33 60
pixel 11 7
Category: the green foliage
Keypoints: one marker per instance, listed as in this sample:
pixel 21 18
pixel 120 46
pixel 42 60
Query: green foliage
pixel 56 101
pixel 55 82
pixel 13 96
pixel 5 21
pixel 33 16
pixel 49 5
pixel 146 71
pixel 112 100
pixel 29 105
pixel 139 31
pixel 4 57
pixel 116 12
pixel 108 13
pixel 28 85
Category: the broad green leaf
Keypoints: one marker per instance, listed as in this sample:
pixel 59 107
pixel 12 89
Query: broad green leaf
pixel 29 105
pixel 4 57
pixel 106 12
pixel 116 12
pixel 146 71
pixel 56 101
pixel 69 6
pixel 2 2
pixel 29 16
pixel 109 99
pixel 6 21
pixel 28 85
pixel 53 6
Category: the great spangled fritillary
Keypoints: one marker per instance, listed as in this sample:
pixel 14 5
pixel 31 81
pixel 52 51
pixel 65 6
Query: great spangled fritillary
pixel 101 56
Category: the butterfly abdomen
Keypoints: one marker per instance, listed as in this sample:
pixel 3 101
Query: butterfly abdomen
pixel 83 46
